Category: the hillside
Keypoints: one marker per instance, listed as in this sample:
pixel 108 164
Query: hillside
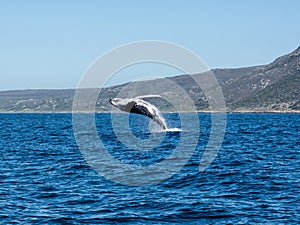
pixel 274 86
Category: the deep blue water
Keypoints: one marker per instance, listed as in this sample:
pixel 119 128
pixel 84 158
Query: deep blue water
pixel 254 179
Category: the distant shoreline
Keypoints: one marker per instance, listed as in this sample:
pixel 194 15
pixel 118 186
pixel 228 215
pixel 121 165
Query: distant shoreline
pixel 261 111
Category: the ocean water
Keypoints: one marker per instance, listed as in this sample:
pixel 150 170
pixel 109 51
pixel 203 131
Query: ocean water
pixel 254 179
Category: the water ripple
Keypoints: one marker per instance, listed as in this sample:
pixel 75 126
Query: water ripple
pixel 254 179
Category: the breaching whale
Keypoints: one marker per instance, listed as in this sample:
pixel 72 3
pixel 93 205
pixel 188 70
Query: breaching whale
pixel 138 105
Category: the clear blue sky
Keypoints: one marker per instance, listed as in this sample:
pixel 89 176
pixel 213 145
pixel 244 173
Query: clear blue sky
pixel 50 44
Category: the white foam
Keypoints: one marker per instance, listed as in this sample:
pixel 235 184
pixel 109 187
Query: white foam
pixel 160 130
pixel 173 130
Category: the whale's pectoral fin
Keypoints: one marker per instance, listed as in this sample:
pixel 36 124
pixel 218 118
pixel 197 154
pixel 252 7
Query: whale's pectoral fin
pixel 148 96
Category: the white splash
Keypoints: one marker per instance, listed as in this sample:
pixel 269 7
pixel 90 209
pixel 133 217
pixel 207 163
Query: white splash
pixel 173 130
pixel 155 128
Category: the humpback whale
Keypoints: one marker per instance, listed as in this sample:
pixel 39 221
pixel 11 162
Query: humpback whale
pixel 138 105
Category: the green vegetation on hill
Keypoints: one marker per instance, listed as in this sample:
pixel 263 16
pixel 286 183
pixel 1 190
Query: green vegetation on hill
pixel 282 95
